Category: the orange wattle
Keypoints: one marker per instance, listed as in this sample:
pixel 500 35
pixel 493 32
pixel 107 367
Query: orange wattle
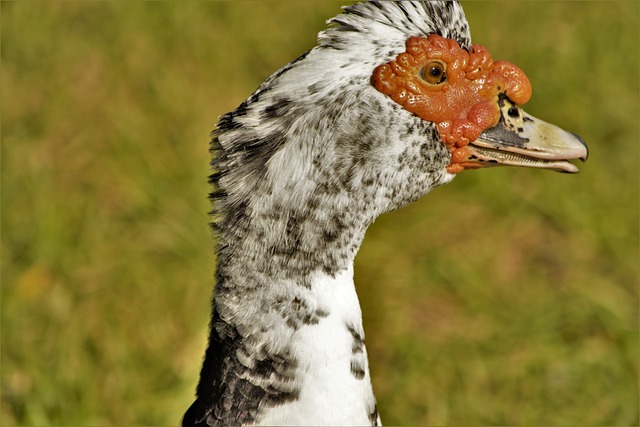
pixel 465 103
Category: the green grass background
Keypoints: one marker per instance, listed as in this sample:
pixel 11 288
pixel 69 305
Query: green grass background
pixel 508 297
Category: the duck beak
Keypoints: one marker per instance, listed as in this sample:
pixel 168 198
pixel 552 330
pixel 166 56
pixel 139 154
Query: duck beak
pixel 522 140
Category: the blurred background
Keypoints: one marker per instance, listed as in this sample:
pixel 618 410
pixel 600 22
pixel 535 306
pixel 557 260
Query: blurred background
pixel 508 297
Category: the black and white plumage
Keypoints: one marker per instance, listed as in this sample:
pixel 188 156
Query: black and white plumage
pixel 300 170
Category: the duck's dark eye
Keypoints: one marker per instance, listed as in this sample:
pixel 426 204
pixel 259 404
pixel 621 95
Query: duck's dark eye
pixel 434 73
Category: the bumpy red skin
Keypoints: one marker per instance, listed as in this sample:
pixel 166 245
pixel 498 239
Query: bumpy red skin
pixel 462 106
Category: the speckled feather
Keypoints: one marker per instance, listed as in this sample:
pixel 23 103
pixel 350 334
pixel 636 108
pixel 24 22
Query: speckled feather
pixel 300 170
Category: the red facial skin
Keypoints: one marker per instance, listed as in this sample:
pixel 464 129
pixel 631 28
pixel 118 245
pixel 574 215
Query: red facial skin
pixel 465 102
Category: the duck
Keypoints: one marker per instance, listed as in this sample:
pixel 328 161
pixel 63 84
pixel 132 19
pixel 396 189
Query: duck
pixel 393 102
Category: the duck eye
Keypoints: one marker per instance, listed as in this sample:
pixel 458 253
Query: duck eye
pixel 434 73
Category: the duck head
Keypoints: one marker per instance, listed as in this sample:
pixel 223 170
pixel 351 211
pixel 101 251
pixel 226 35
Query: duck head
pixel 393 102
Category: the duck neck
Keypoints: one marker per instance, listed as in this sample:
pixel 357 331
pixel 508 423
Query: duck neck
pixel 287 342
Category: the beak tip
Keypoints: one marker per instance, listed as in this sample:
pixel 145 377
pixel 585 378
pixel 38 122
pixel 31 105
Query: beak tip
pixel 584 144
